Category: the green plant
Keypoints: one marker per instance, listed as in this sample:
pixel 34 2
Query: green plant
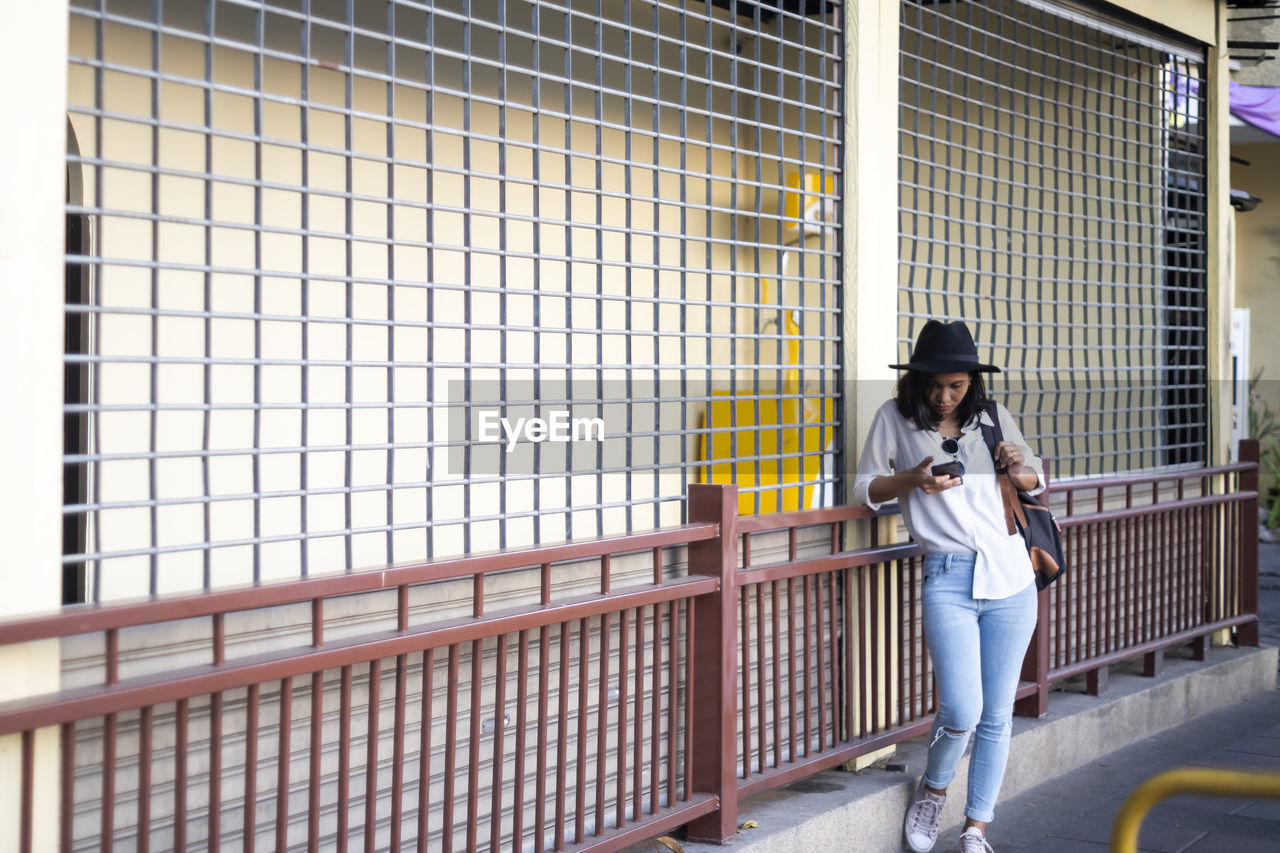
pixel 1269 462
pixel 1262 421
pixel 1264 427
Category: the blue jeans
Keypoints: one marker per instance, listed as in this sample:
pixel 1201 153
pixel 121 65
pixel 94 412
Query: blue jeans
pixel 977 647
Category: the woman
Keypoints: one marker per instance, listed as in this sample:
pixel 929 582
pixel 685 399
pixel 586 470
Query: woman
pixel 979 596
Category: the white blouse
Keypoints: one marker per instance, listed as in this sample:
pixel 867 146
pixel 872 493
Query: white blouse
pixel 966 519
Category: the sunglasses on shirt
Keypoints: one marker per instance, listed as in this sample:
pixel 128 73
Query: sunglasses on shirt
pixel 954 468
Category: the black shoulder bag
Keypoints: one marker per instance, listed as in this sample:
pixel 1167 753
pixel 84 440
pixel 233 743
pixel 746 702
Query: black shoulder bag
pixel 1025 513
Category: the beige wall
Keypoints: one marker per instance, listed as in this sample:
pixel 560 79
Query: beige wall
pixel 1264 28
pixel 1196 18
pixel 32 183
pixel 1257 261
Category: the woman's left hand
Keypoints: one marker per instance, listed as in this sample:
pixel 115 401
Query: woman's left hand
pixel 1009 455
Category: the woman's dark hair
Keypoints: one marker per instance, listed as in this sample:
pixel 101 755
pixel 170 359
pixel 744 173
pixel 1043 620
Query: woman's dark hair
pixel 913 399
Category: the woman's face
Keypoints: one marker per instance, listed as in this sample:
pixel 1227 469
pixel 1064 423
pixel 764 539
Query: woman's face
pixel 946 390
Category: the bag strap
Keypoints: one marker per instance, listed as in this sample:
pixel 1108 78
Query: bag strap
pixel 992 434
pixel 1009 492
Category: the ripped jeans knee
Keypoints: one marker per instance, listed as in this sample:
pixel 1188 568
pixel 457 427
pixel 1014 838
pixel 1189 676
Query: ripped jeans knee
pixel 945 731
pixel 945 749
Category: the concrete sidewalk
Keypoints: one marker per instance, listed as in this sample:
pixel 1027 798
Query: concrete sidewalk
pixel 1075 812
pixel 1070 772
pixel 1050 766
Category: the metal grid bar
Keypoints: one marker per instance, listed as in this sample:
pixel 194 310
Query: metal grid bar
pixel 1052 193
pixel 321 232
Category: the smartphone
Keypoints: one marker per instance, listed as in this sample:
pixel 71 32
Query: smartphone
pixel 954 468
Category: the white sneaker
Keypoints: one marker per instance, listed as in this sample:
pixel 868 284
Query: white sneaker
pixel 973 841
pixel 924 816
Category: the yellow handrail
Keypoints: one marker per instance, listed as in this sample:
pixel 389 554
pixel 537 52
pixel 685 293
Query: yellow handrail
pixel 1185 780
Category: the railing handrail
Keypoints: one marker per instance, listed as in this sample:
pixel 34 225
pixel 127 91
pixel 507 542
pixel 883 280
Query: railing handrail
pixel 1081 519
pixel 86 618
pixel 1108 482
pixel 1209 781
pixel 775 521
pixel 171 686
pixel 788 568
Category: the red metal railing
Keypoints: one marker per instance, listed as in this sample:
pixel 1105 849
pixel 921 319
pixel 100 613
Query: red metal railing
pixel 832 656
pixel 560 722
pixel 360 710
pixel 1156 561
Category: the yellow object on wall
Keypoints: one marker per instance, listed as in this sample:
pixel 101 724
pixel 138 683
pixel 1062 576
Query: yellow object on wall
pixel 776 441
pixel 813 188
pixel 788 441
pixel 808 206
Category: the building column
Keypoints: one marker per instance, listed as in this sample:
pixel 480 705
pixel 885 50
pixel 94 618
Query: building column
pixel 870 332
pixel 870 216
pixel 33 59
pixel 1221 248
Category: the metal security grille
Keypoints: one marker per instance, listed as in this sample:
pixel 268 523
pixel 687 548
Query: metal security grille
pixel 318 249
pixel 1052 194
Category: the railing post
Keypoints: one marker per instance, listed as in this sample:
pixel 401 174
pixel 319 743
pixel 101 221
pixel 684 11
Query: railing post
pixel 1247 634
pixel 1035 665
pixel 713 672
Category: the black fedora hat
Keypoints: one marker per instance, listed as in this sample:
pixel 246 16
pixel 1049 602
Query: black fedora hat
pixel 945 348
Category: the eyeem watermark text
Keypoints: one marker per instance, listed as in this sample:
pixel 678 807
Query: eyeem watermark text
pixel 559 427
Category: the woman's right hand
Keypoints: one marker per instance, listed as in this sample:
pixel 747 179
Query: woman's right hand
pixel 927 482
pixel 892 487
